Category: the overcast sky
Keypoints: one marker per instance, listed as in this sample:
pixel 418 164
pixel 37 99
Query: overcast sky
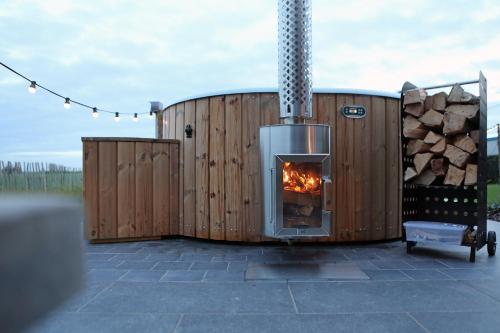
pixel 118 55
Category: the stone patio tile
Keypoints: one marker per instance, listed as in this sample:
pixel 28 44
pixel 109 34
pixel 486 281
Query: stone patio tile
pixel 426 274
pixel 98 274
pixel 196 257
pixel 425 264
pixel 209 266
pixel 391 264
pixel 489 288
pixel 224 276
pixel 230 257
pixel 388 296
pixel 386 275
pixel 106 322
pixel 183 276
pixel 143 276
pixel 130 256
pixel 236 266
pixel 172 265
pixel 103 263
pixel 244 323
pixel 162 257
pixel 144 265
pixel 89 291
pixel 177 298
pixel 99 256
pixel 340 271
pixel 466 274
pixel 459 322
pixel 121 249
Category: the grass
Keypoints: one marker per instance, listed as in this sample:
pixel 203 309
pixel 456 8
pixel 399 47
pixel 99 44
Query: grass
pixel 493 194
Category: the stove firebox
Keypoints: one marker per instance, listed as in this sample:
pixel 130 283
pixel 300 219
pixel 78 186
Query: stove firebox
pixel 296 164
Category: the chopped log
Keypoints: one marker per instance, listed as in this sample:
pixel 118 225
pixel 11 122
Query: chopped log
pixel 416 146
pixel 468 111
pixel 415 96
pixel 302 199
pixel 413 128
pixel 439 101
pixel 458 95
pixel 432 118
pixel 432 138
pixel 422 161
pixel 456 156
pixel 425 178
pixel 455 95
pixel 306 210
pixel 440 147
pixel 470 174
pixel 475 136
pixel 454 123
pixel 454 176
pixel 466 143
pixel 439 167
pixel 416 109
pixel 410 173
pixel 428 102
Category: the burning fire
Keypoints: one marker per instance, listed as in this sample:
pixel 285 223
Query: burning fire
pixel 300 179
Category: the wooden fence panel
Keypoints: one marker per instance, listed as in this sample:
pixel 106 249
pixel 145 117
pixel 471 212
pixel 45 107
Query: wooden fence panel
pixel 91 189
pixel 126 189
pixel 190 171
pixel 202 155
pixel 161 189
pixel 107 190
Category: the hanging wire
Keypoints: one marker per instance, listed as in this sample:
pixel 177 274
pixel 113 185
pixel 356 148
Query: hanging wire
pixel 35 84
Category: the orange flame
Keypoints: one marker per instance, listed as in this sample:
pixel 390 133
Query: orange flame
pixel 301 180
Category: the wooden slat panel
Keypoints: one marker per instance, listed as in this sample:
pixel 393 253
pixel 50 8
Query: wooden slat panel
pixel 144 189
pixel 252 213
pixel 91 188
pixel 161 189
pixel 174 189
pixel 378 164
pixel 159 125
pixel 107 190
pixel 190 171
pixel 345 192
pixel 171 122
pixel 362 166
pixel 269 109
pixel 233 168
pixel 216 168
pixel 126 189
pixel 179 135
pixel 325 111
pixel 202 185
pixel 393 170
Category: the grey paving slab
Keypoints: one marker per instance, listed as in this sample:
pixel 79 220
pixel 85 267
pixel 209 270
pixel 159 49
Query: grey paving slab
pixel 489 288
pixel 426 274
pixel 99 256
pixel 388 296
pixel 183 276
pixel 459 322
pixel 340 271
pixel 106 322
pixel 102 263
pixel 193 298
pixel 90 290
pixel 143 276
pixel 209 266
pixel 162 257
pixel 130 256
pixel 392 264
pixel 172 265
pixel 237 266
pixel 386 275
pixel 425 264
pixel 131 264
pixel 386 323
pixel 466 274
pixel 224 276
pixel 105 274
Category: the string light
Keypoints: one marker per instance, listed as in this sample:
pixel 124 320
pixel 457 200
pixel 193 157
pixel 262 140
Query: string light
pixel 67 103
pixel 32 87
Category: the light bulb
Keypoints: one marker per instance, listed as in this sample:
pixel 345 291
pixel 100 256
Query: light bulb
pixel 67 103
pixel 151 116
pixel 117 117
pixel 95 114
pixel 32 87
pixel 135 118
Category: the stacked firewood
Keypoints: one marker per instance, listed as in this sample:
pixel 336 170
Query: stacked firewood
pixel 443 137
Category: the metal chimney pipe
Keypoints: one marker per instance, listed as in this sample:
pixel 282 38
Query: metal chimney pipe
pixel 294 42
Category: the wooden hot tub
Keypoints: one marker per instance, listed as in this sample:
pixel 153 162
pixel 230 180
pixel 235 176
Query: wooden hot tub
pixel 219 165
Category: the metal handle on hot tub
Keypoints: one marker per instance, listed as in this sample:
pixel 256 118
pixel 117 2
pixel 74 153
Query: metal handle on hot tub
pixel 273 198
